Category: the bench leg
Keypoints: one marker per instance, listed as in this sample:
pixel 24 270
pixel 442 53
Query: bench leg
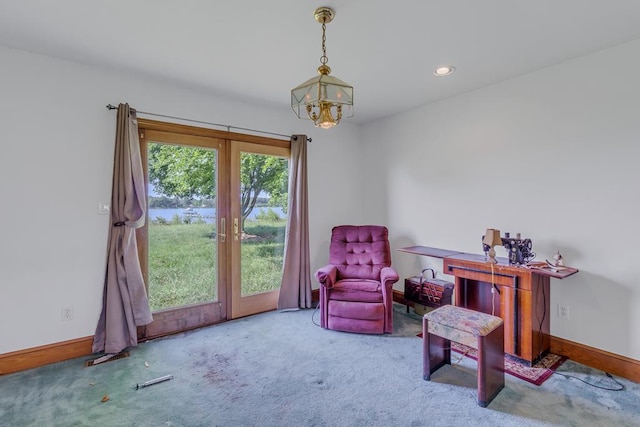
pixel 436 351
pixel 490 365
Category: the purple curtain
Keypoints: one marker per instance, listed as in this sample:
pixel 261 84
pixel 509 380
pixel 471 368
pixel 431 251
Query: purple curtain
pixel 295 290
pixel 124 303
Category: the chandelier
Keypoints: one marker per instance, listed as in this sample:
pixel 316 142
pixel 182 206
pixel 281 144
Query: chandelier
pixel 324 99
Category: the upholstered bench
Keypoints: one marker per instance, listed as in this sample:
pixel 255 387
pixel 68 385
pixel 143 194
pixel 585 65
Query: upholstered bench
pixel 480 331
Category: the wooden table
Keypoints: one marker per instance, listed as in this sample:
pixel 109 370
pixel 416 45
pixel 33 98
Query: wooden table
pixel 518 294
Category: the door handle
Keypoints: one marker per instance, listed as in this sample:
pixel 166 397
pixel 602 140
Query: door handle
pixel 223 228
pixel 235 229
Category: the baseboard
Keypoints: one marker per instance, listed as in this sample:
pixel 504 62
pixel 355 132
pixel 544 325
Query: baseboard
pixel 398 296
pixel 599 359
pixel 39 356
pixel 614 364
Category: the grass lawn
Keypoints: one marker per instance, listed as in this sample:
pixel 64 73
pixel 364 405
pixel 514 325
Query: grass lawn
pixel 182 261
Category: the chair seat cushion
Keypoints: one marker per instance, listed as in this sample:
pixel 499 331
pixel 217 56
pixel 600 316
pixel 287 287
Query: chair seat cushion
pixel 362 290
pixel 351 310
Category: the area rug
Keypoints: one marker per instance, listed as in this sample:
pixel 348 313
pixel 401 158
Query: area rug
pixel 536 374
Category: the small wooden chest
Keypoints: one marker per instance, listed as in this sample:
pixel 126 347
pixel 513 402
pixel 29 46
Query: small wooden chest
pixel 431 292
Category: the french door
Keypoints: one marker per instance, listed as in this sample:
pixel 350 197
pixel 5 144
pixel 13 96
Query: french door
pixel 213 245
pixel 256 257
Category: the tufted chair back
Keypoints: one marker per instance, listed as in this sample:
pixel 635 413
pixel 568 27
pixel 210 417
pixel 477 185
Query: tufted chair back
pixel 359 251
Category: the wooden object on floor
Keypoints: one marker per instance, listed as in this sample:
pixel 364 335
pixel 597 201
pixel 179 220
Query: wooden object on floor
pixel 480 331
pixel 430 292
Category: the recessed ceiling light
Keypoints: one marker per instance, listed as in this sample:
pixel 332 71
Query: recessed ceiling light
pixel 445 70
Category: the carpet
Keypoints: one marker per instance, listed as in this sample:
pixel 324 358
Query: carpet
pixel 536 374
pixel 280 369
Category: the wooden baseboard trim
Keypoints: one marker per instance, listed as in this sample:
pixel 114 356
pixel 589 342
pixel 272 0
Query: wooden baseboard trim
pixel 39 356
pixel 599 359
pixel 398 296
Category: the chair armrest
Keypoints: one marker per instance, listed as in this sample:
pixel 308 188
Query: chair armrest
pixel 388 274
pixel 327 275
pixel 388 277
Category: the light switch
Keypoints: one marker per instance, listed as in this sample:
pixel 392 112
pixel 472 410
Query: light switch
pixel 104 208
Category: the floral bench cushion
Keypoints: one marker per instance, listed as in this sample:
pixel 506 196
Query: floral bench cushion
pixel 460 324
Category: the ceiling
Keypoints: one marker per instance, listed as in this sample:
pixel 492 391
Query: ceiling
pixel 258 50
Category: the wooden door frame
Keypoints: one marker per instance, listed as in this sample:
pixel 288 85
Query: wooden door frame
pixel 179 319
pixel 241 306
pixel 196 315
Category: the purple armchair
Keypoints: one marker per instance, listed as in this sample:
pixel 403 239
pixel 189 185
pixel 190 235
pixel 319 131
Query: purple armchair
pixel 356 287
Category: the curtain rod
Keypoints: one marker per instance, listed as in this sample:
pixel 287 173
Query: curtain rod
pixel 229 127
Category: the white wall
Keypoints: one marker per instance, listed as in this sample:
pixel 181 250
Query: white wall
pixel 553 155
pixel 55 166
pixel 562 145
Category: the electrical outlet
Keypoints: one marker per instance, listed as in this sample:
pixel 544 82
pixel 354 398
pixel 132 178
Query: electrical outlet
pixel 563 311
pixel 67 313
pixel 104 208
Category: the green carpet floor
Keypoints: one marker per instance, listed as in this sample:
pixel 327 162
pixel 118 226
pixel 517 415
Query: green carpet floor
pixel 280 369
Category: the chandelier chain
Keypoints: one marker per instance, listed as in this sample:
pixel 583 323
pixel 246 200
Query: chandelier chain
pixel 323 58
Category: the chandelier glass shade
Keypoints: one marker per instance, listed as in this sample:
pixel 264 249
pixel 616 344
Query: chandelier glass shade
pixel 324 99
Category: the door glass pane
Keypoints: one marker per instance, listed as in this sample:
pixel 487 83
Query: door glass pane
pixel 182 225
pixel 263 200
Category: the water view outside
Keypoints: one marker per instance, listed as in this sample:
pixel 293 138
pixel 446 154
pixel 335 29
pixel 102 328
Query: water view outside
pixel 207 215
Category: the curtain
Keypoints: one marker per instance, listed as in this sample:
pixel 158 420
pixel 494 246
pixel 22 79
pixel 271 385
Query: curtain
pixel 295 290
pixel 124 303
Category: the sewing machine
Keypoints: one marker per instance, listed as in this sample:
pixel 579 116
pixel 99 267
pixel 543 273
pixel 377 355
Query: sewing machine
pixel 518 249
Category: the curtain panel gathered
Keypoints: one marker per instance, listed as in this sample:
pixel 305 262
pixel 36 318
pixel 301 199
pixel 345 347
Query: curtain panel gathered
pixel 295 290
pixel 125 305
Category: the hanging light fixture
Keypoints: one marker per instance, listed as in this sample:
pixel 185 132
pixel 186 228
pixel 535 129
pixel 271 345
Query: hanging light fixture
pixel 324 99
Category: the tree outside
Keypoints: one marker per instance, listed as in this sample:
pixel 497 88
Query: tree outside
pixel 187 173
